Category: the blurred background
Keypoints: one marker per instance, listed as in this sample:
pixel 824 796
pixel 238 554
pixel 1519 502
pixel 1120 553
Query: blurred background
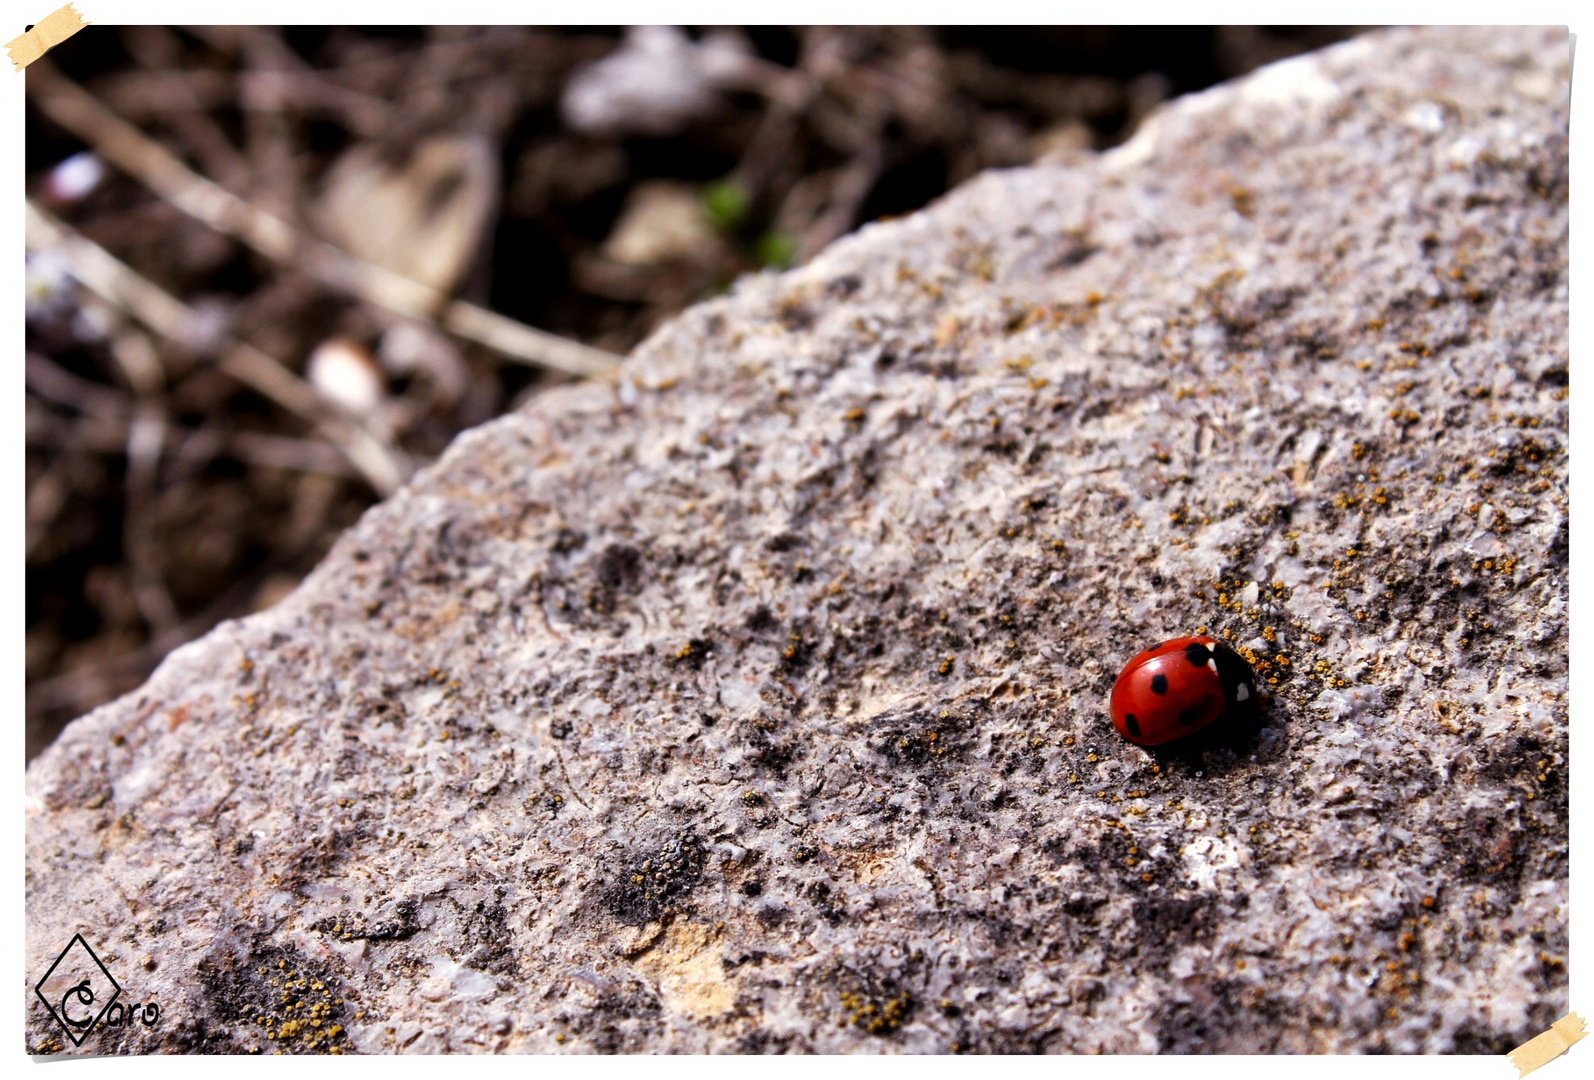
pixel 273 271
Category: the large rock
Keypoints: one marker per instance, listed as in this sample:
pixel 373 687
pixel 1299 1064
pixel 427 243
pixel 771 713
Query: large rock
pixel 756 701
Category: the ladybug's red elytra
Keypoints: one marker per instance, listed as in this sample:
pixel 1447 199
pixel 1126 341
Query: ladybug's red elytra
pixel 1179 687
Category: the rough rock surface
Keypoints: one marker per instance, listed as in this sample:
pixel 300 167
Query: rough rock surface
pixel 756 701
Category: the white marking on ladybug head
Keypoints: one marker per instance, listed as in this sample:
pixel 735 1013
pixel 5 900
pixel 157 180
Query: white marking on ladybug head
pixel 1242 693
pixel 1212 662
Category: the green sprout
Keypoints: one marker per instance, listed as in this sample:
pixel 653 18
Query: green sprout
pixel 775 250
pixel 725 203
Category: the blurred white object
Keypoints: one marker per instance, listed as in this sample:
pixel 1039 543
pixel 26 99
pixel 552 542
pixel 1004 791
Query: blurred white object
pixel 423 218
pixel 75 177
pixel 205 333
pixel 663 221
pixel 656 83
pixel 48 285
pixel 344 373
pixel 727 57
pixel 409 348
pixel 93 323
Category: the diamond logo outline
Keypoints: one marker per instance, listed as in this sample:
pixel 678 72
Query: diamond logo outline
pixel 67 1023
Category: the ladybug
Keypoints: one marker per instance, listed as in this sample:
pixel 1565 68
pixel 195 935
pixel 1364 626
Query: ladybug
pixel 1179 687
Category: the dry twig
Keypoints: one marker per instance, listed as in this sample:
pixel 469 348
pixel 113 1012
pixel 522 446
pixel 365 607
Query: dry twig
pixel 113 281
pixel 152 164
pixel 184 448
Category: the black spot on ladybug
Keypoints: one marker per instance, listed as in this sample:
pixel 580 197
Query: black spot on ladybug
pixel 1132 724
pixel 1188 716
pixel 1198 654
pixel 1159 684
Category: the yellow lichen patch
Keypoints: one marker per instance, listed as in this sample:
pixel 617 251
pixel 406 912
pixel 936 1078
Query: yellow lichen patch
pixel 689 970
pixel 301 1013
pixel 875 1017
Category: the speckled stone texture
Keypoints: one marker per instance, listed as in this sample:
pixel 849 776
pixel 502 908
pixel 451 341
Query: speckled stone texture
pixel 756 701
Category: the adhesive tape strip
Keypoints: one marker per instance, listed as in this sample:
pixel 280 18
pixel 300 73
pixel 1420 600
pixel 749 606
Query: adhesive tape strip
pixel 1548 1046
pixel 46 34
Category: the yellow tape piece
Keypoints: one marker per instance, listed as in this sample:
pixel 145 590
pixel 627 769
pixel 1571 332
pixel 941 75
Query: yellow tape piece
pixel 46 34
pixel 1548 1046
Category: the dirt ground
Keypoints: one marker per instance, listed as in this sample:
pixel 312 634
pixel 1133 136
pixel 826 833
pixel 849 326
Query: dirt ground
pixel 212 404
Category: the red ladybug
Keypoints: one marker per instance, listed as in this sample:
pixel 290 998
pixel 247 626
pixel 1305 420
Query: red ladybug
pixel 1179 687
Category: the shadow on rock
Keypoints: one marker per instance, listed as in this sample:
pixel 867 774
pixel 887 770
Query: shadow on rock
pixel 1235 738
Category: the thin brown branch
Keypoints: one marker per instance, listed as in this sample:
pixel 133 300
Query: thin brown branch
pixel 144 438
pixel 54 383
pixel 268 134
pixel 281 452
pixel 134 354
pixel 46 499
pixel 152 94
pixel 847 197
pixel 366 116
pixel 141 367
pixel 282 81
pixel 185 447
